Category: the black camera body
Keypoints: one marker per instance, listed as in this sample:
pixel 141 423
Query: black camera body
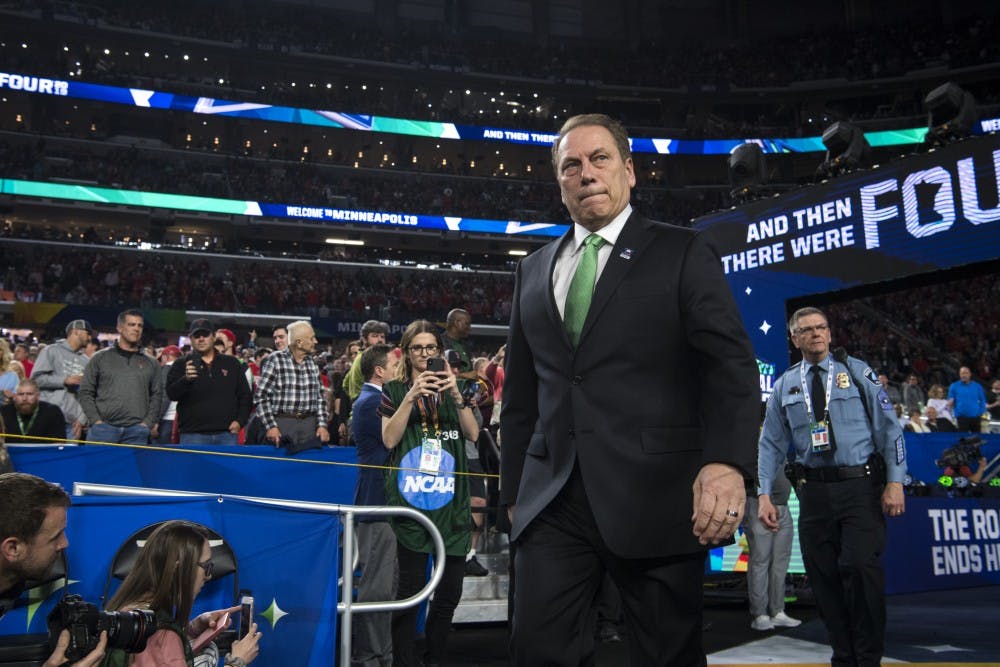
pixel 965 452
pixel 127 630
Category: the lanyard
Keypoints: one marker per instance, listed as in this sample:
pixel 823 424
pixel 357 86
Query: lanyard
pixel 805 390
pixel 20 422
pixel 422 405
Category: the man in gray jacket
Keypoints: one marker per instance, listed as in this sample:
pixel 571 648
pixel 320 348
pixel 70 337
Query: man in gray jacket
pixel 121 391
pixel 58 373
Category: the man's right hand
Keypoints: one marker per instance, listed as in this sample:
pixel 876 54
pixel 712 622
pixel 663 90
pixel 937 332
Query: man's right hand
pixel 72 380
pixel 767 512
pixel 273 435
pixel 58 656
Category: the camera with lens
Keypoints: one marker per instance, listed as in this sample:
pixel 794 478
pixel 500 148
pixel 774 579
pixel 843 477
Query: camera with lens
pixel 965 452
pixel 127 630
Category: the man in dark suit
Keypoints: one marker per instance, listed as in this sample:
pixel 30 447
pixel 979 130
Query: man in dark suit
pixel 372 645
pixel 630 386
pixel 32 418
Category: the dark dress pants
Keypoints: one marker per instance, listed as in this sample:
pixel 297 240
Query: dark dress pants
pixel 560 562
pixel 842 535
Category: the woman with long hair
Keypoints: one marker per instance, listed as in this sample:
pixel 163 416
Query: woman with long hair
pixel 425 422
pixel 168 574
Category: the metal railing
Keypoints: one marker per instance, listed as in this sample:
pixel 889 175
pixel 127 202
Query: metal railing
pixel 346 607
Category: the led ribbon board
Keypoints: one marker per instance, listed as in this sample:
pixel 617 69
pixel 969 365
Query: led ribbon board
pixel 254 209
pixel 150 99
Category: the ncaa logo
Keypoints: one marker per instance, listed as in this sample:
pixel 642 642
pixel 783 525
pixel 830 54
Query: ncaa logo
pixel 423 491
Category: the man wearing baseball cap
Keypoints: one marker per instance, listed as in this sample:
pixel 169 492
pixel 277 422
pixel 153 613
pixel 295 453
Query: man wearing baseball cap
pixel 58 372
pixel 212 394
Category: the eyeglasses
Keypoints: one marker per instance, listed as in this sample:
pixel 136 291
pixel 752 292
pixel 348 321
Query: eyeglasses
pixel 209 567
pixel 423 349
pixel 805 331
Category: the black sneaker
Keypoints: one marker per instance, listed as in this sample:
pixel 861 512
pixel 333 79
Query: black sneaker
pixel 473 568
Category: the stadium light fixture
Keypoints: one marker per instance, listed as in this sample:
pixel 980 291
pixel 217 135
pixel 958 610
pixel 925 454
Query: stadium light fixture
pixel 345 241
pixel 846 150
pixel 747 173
pixel 951 114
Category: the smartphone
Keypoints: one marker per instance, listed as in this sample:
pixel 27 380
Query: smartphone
pixel 453 357
pixel 246 615
pixel 436 365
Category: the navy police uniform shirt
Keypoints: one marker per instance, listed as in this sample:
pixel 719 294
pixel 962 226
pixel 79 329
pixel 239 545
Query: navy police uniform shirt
pixel 787 422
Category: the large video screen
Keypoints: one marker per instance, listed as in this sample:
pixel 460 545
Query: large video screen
pixel 917 215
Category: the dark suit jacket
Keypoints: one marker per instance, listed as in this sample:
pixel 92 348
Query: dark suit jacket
pixel 366 429
pixel 663 381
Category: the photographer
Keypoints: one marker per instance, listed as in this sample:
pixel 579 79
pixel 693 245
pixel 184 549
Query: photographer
pixel 32 535
pixel 425 422
pixel 955 460
pixel 169 572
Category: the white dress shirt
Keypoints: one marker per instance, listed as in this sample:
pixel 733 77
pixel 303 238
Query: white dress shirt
pixel 572 251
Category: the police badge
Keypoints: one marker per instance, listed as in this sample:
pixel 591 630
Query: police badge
pixel 842 381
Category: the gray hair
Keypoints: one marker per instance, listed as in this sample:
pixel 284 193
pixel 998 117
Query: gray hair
pixel 803 312
pixel 293 328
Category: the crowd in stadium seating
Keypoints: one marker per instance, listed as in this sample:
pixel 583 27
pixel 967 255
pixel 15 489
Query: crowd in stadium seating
pixel 865 54
pixel 925 330
pixel 285 181
pixel 151 280
pixel 922 330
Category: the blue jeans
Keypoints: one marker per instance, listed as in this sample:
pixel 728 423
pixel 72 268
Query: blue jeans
pixel 137 434
pixel 220 438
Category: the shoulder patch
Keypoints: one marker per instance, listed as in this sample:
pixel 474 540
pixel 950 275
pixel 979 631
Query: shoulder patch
pixel 884 402
pixel 871 376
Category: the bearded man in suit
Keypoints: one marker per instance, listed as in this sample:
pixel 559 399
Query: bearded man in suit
pixel 631 408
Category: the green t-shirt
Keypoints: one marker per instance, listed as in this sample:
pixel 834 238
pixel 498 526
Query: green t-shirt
pixel 444 497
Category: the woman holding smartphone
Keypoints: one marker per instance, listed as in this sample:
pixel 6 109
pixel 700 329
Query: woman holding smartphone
pixel 425 422
pixel 168 574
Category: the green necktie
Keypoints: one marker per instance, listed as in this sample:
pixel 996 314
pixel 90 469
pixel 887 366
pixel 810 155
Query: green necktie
pixel 581 288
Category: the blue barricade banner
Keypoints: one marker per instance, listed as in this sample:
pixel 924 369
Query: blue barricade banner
pixel 943 543
pixel 286 557
pixel 325 475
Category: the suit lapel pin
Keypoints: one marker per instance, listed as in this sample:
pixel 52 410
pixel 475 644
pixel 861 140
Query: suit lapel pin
pixel 626 253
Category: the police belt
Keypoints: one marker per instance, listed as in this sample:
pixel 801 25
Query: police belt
pixel 837 474
pixel 295 415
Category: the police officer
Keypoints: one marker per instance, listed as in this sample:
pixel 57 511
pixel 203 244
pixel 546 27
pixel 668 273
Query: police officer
pixel 849 466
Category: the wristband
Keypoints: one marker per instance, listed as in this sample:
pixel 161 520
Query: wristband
pixel 235 661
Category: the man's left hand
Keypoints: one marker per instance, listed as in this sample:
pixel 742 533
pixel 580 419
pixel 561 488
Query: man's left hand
pixel 234 427
pixel 323 435
pixel 719 500
pixel 893 500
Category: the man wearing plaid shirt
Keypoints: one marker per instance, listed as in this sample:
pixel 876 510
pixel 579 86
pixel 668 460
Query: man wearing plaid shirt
pixel 289 398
